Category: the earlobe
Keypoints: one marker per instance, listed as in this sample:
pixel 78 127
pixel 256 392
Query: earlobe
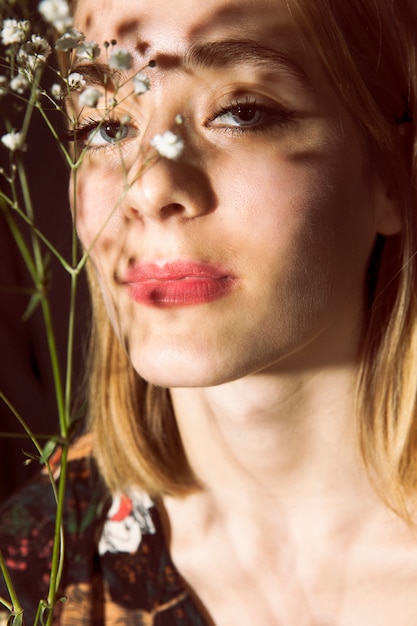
pixel 388 217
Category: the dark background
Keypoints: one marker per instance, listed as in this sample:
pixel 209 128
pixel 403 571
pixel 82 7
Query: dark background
pixel 25 372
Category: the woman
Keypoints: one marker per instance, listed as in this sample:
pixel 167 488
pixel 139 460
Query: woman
pixel 263 284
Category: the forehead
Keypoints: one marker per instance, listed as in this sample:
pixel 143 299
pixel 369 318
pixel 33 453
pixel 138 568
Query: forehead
pixel 170 25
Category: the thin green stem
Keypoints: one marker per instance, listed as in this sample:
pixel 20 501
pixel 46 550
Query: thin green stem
pixel 58 545
pixel 36 436
pixel 53 355
pixel 22 422
pixel 21 243
pixel 15 607
pixel 70 347
pixel 67 156
pixel 40 283
pixel 40 235
pixel 30 107
pixel 27 200
pixel 31 435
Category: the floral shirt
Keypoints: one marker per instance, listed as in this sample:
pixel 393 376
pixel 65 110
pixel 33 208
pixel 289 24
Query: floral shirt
pixel 117 567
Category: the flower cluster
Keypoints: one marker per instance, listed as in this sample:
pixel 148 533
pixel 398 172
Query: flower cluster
pixel 14 32
pixel 57 13
pixel 168 145
pixel 29 53
pixel 13 141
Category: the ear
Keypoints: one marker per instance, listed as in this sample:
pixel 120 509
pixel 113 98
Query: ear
pixel 387 213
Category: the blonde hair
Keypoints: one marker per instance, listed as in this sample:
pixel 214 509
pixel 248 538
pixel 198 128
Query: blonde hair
pixel 368 49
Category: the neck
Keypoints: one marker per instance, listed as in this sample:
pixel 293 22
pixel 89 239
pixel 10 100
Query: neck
pixel 282 439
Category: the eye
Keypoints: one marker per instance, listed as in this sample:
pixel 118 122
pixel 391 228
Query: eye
pixel 108 132
pixel 94 134
pixel 250 116
pixel 241 115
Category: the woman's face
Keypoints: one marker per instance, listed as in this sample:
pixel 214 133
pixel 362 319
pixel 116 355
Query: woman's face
pixel 248 253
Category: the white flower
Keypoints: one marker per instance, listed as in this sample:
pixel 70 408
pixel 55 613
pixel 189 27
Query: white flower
pixel 28 63
pixel 56 91
pixel 140 83
pixel 57 13
pixel 4 84
pixel 19 84
pixel 13 141
pixel 88 50
pixel 32 53
pixel 14 32
pixel 38 46
pixel 76 81
pixel 121 60
pixel 89 97
pixel 71 39
pixel 168 145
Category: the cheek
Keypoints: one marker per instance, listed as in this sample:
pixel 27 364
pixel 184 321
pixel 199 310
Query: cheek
pixel 97 218
pixel 284 200
pixel 305 220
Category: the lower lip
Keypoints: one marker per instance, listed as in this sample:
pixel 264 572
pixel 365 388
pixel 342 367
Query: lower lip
pixel 180 292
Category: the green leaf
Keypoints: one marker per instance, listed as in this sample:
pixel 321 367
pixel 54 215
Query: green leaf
pixel 18 619
pixel 32 306
pixel 47 451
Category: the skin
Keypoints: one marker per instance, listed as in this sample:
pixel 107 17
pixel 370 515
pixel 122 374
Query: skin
pixel 263 379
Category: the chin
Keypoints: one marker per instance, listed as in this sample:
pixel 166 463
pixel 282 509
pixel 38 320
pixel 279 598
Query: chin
pixel 182 370
pixel 171 378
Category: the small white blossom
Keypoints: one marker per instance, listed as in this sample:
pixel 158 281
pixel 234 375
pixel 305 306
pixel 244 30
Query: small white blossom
pixel 14 31
pixel 57 13
pixel 88 50
pixel 32 53
pixel 121 60
pixel 13 141
pixel 4 85
pixel 19 84
pixel 27 62
pixel 56 91
pixel 76 81
pixel 71 39
pixel 168 145
pixel 140 83
pixel 90 97
pixel 38 46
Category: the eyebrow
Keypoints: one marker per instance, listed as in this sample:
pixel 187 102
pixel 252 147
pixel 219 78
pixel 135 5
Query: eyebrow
pixel 231 52
pixel 203 55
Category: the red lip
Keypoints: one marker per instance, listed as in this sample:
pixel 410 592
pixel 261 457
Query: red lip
pixel 177 283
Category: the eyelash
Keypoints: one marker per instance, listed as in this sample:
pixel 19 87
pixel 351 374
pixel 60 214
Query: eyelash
pixel 279 117
pixel 82 134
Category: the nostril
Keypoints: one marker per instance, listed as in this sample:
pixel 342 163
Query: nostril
pixel 132 213
pixel 171 209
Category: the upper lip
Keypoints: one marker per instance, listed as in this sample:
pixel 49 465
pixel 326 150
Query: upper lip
pixel 172 270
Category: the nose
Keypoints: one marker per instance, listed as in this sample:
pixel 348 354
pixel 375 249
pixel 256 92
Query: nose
pixel 167 188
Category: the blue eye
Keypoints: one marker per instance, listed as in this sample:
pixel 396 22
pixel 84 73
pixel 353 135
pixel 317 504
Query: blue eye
pixel 94 134
pixel 241 115
pixel 107 132
pixel 249 116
